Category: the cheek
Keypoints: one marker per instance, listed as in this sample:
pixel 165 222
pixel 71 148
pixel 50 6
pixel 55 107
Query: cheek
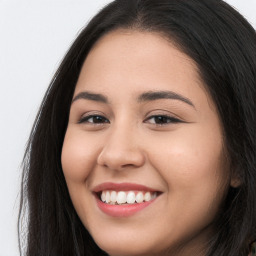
pixel 77 159
pixel 192 153
pixel 193 165
pixel 196 177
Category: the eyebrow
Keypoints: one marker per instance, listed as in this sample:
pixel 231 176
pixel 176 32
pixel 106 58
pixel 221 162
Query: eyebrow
pixel 91 96
pixel 156 95
pixel 144 97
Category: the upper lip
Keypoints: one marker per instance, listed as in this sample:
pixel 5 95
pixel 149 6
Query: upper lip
pixel 125 186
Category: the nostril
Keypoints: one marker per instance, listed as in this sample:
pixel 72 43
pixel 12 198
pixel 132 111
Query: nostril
pixel 127 166
pixel 120 159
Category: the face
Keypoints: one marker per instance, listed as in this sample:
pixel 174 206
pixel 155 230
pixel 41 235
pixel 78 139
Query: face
pixel 143 152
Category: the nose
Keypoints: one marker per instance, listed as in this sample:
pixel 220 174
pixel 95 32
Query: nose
pixel 121 150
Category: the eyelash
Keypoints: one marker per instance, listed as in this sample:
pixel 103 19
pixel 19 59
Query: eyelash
pixel 87 118
pixel 164 120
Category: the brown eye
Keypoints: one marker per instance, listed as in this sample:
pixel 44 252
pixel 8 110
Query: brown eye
pixel 94 119
pixel 162 120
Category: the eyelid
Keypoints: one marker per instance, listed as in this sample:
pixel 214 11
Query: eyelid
pixel 162 112
pixel 89 115
pixel 165 118
pixel 170 118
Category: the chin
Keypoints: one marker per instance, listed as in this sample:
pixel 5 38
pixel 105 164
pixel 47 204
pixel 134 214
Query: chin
pixel 126 251
pixel 127 247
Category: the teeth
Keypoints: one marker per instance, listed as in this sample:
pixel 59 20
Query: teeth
pixel 147 197
pixel 113 196
pixel 103 197
pixel 107 197
pixel 154 195
pixel 139 197
pixel 121 197
pixel 129 197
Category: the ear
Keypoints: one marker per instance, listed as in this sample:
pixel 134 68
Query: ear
pixel 235 180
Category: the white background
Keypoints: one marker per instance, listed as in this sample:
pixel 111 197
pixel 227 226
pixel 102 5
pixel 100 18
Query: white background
pixel 34 36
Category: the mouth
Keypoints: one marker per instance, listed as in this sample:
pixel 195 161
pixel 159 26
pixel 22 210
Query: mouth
pixel 124 199
pixel 113 197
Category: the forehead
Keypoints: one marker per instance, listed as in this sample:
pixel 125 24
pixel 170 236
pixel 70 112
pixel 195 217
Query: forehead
pixel 139 51
pixel 136 61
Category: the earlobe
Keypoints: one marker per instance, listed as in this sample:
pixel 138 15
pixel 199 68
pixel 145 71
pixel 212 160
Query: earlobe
pixel 235 181
pixel 235 175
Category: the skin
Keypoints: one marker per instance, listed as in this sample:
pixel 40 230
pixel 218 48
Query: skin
pixel 183 159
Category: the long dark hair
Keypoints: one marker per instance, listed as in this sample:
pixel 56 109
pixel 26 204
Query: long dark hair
pixel 223 45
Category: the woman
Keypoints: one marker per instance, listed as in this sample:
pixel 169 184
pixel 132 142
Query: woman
pixel 145 141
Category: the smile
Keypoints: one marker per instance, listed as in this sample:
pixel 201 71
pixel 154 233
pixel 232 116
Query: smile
pixel 123 199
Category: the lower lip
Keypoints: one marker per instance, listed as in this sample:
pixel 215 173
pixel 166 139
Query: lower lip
pixel 123 210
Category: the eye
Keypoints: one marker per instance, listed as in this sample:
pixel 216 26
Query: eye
pixel 162 120
pixel 94 119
